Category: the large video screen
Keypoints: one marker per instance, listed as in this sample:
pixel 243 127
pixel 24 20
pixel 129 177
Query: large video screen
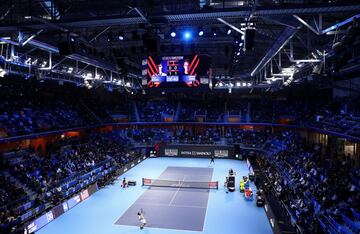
pixel 173 71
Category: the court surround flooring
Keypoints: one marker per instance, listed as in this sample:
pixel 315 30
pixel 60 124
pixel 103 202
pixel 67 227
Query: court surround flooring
pixel 226 213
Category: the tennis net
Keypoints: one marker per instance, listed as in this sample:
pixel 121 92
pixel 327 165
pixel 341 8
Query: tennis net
pixel 180 183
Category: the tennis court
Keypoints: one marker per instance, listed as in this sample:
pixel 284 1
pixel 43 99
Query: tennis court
pixel 179 207
pixel 226 213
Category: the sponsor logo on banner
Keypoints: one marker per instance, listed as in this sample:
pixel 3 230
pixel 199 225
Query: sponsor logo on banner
pixel 206 151
pixel 84 194
pixel 49 216
pixel 171 152
pixel 221 153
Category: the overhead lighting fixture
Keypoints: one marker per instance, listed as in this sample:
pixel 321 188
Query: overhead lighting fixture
pixel 201 32
pixel 2 72
pixel 214 31
pixel 228 31
pixel 187 35
pixel 87 75
pixel 121 36
pixel 28 61
pixel 173 32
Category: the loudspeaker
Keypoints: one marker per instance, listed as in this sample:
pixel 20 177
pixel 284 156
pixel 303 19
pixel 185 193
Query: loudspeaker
pixel 66 47
pixel 249 38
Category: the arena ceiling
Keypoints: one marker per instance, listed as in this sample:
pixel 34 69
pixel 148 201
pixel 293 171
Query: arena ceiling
pixel 285 32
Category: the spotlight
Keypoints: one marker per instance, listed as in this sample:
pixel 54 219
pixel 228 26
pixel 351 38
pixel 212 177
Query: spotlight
pixel 238 53
pixel 121 36
pixel 2 72
pixel 214 31
pixel 228 31
pixel 187 35
pixel 173 32
pixel 201 32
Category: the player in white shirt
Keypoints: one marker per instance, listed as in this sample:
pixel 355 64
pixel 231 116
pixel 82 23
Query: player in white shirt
pixel 141 218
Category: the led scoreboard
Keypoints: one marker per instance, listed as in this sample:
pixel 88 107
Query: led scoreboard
pixel 172 71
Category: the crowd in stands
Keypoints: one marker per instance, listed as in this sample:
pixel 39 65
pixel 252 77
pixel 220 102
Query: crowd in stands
pixel 148 136
pixel 253 138
pixel 340 115
pixel 156 110
pixel 67 166
pixel 9 191
pixel 42 174
pixel 22 113
pixel 319 191
pixel 189 136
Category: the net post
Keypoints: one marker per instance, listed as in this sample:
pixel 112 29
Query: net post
pixel 217 185
pixel 142 181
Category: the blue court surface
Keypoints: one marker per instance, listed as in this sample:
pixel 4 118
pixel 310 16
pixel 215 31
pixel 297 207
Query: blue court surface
pixel 167 210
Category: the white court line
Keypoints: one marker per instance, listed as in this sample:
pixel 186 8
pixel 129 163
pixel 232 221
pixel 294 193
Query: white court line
pixel 148 226
pixel 160 204
pixel 172 199
pixel 207 203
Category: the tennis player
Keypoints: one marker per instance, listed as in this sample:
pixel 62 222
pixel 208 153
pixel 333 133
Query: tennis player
pixel 141 219
pixel 212 161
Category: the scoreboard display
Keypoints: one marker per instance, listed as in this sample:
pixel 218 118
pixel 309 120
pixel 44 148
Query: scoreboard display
pixel 172 71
